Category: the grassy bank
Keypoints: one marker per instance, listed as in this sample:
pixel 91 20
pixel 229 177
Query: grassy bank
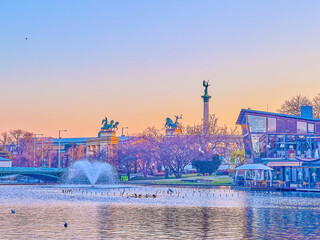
pixel 217 181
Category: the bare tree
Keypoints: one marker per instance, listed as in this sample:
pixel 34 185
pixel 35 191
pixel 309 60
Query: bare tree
pixel 293 105
pixel 5 139
pixel 316 106
pixel 77 152
pixel 127 156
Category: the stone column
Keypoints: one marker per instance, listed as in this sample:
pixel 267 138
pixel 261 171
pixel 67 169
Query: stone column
pixel 206 99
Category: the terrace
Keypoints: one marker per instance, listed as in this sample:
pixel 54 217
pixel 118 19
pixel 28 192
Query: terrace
pixel 289 144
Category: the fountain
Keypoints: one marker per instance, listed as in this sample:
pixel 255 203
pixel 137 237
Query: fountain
pixel 84 171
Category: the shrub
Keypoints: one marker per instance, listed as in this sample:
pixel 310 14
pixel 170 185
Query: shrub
pixel 210 166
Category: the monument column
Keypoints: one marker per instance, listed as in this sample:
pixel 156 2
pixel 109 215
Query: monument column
pixel 206 99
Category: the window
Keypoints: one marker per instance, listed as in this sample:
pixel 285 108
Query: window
pixel 257 124
pixel 291 126
pixel 259 142
pixel 272 124
pixel 281 126
pixel 301 127
pixel 310 128
pixel 246 142
pixel 318 129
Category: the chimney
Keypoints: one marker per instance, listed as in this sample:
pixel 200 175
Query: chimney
pixel 306 111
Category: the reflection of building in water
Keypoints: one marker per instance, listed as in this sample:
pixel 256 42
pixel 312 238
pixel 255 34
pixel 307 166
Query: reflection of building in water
pixel 170 222
pixel 281 223
pixel 289 144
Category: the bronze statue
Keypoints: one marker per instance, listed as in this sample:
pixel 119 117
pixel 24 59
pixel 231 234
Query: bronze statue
pixel 109 126
pixel 173 125
pixel 206 85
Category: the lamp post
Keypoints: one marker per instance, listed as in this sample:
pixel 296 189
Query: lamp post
pixel 122 131
pixel 59 156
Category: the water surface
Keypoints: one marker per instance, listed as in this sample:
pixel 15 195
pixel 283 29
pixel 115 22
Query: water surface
pixel 113 213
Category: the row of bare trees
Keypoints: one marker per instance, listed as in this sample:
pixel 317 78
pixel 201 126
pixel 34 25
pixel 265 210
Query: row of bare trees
pixel 145 153
pixel 152 150
pixel 26 150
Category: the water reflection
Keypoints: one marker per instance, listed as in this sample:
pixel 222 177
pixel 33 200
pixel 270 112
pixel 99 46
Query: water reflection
pixel 141 222
pixel 245 216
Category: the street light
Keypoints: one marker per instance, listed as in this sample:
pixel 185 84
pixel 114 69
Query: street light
pixel 34 148
pixel 122 135
pixel 59 157
pixel 122 131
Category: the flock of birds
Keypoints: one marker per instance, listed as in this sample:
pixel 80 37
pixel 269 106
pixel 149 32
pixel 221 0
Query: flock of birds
pixel 131 193
pixel 134 195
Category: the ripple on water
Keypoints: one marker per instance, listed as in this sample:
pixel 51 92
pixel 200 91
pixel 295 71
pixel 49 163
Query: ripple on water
pixel 102 213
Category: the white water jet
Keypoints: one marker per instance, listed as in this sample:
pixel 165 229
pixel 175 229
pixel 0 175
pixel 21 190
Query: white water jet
pixel 83 171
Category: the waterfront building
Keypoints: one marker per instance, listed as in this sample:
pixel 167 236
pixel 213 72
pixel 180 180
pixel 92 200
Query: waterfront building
pixel 287 143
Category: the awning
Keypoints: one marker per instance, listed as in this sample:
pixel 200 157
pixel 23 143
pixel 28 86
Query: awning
pixel 284 164
pixel 254 167
pixel 307 159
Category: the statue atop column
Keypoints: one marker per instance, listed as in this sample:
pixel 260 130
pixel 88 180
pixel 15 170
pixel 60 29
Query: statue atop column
pixel 206 97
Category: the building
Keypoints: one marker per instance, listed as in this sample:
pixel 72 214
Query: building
pixel 65 143
pixel 5 162
pixel 105 141
pixel 289 144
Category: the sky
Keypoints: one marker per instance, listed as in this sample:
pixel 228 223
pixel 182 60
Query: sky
pixel 138 62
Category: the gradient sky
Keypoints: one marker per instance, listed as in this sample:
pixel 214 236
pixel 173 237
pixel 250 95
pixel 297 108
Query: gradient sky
pixel 138 62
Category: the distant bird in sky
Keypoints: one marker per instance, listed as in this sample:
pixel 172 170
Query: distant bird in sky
pixel 13 211
pixel 65 224
pixel 26 38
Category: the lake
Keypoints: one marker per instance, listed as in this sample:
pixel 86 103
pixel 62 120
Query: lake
pixel 109 212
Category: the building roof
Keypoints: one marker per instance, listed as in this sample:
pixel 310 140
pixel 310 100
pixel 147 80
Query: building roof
pixel 4 159
pixel 81 140
pixel 124 138
pixel 254 167
pixel 70 140
pixel 241 116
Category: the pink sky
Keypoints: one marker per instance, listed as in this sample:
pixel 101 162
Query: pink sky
pixel 140 63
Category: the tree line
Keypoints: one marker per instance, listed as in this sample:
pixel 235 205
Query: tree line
pixel 153 151
pixel 26 150
pixel 149 152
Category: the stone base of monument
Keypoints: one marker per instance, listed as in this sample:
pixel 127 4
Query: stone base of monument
pixel 173 132
pixel 105 141
pixel 107 133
